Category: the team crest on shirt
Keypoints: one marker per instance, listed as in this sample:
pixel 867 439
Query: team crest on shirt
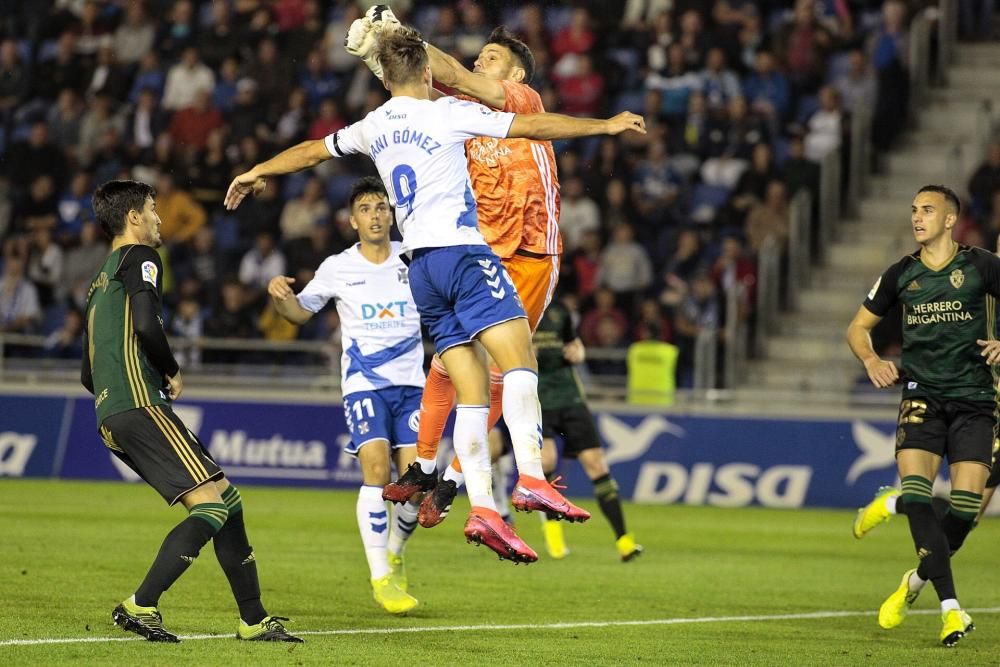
pixel 487 150
pixel 401 276
pixel 149 273
pixel 957 278
pixel 363 428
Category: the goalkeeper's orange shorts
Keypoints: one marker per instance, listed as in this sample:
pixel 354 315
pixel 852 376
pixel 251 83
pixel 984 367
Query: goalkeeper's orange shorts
pixel 535 277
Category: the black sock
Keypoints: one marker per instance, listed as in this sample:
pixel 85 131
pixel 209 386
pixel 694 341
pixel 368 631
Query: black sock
pixel 956 529
pixel 179 550
pixel 606 491
pixel 932 548
pixel 236 557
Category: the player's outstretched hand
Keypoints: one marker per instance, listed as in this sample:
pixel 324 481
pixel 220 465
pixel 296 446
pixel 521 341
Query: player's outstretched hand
pixel 279 288
pixel 991 350
pixel 243 185
pixel 382 19
pixel 624 121
pixel 175 386
pixel 882 373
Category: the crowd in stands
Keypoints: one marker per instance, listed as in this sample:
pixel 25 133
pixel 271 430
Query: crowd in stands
pixel 742 101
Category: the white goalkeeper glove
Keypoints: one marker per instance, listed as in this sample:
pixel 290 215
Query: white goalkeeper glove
pixel 362 41
pixel 382 19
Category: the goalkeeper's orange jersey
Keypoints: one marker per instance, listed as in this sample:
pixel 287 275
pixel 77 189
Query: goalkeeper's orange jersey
pixel 515 183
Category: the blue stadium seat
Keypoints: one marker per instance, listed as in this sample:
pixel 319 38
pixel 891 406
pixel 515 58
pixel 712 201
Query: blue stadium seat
pixel 706 200
pixel 338 189
pixel 630 100
pixel 227 232
pixel 53 318
pixel 557 18
pixel 48 50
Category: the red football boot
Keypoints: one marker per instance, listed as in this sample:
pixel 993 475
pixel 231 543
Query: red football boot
pixel 532 493
pixel 484 526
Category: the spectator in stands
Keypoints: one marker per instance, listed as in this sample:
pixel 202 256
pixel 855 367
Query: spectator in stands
pixel 220 40
pixel 692 38
pixel 651 323
pixel 64 70
pixel 212 170
pixel 732 269
pixel 45 265
pixel 719 84
pixel 186 79
pixel 264 212
pixel 273 73
pixel 889 51
pixel 751 39
pixel 144 124
pixel 80 263
pixel 625 266
pixel 66 342
pixel 985 181
pixel 767 90
pixel 74 208
pixel 224 93
pixel 99 118
pixel 335 55
pixel 444 33
pixel 149 77
pixel 135 34
pixel 37 156
pixel 577 38
pixel 609 164
pixel 261 263
pixel 187 326
pixel 303 38
pixel 180 215
pixel 109 77
pixel 798 171
pixel 675 84
pixel 302 213
pixel 662 37
pixel 318 81
pixel 617 209
pixel 328 121
pixel 825 127
pixel 306 254
pixel 578 213
pixel 769 218
pixel 191 126
pixel 473 32
pixel 655 186
pixel 19 308
pixel 246 118
pixel 856 85
pixel 746 129
pixel 700 312
pixel 14 81
pixel 64 120
pixel 36 211
pixel 91 29
pixel 177 33
pixel 683 262
pixel 229 319
pixel 580 88
pixel 585 263
pixel 609 334
pixel 803 45
pixel 604 308
pixel 532 29
pixel 202 261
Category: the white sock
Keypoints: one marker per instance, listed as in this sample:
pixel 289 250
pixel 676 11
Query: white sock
pixel 915 583
pixel 452 475
pixel 373 522
pixel 404 520
pixel 427 465
pixel 472 448
pixel 523 415
pixel 890 504
pixel 949 604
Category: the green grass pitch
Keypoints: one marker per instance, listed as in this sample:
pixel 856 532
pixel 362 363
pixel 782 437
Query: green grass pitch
pixel 715 587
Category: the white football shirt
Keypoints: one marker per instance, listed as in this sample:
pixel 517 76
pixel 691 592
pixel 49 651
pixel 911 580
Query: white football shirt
pixel 379 321
pixel 418 147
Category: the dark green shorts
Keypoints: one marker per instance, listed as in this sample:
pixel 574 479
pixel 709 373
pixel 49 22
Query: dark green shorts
pixel 575 425
pixel 154 442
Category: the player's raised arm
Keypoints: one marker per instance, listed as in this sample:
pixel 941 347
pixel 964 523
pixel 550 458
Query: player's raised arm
pixel 881 372
pixel 302 156
pixel 285 302
pixel 448 71
pixel 551 126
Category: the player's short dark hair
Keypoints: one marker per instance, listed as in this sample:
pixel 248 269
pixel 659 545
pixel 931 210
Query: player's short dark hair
pixel 113 200
pixel 402 55
pixel 946 192
pixel 501 36
pixel 368 185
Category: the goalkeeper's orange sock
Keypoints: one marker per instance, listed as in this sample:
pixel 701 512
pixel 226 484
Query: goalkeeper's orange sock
pixel 435 406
